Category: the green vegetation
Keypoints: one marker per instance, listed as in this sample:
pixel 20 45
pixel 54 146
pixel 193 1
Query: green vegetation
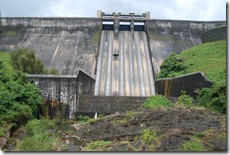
pixel 209 58
pixel 156 101
pixel 185 100
pixel 24 59
pixel 171 67
pixel 2 132
pixel 214 97
pixel 149 137
pixel 52 70
pixel 83 118
pixel 96 145
pixel 192 146
pixel 18 99
pixel 39 137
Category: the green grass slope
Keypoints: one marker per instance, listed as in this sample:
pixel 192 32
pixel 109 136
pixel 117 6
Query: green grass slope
pixel 209 58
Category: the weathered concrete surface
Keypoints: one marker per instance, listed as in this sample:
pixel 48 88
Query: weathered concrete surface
pixel 189 83
pixel 72 43
pixel 167 36
pixel 64 43
pixel 64 88
pixel 107 104
pixel 129 73
pixel 216 34
pixel 89 105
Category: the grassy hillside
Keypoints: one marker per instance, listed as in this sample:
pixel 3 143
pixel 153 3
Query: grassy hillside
pixel 209 58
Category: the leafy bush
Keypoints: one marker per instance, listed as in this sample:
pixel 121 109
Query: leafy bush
pixel 24 59
pixel 156 101
pixel 149 137
pixel 214 97
pixel 192 146
pixel 2 132
pixel 39 137
pixel 185 99
pixel 51 71
pixel 18 99
pixel 171 66
pixel 96 145
pixel 83 118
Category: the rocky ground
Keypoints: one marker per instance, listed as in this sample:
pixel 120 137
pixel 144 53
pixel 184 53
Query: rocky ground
pixel 174 128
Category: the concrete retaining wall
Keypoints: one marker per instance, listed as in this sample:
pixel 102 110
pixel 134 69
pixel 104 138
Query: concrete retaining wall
pixel 216 34
pixel 106 104
pixel 190 83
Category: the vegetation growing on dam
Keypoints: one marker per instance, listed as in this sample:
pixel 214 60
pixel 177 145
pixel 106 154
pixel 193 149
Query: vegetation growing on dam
pixel 209 58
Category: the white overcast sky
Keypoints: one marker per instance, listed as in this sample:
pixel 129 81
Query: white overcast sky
pixel 203 10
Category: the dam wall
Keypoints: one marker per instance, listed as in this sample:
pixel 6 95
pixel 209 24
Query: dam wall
pixel 69 44
pixel 167 36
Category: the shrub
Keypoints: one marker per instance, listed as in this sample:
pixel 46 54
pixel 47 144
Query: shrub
pixel 39 137
pixel 18 99
pixel 149 137
pixel 2 132
pixel 185 99
pixel 171 67
pixel 156 101
pixel 96 145
pixel 192 146
pixel 214 97
pixel 24 59
pixel 39 142
pixel 83 118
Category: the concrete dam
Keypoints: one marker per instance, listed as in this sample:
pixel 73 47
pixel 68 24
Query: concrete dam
pixel 128 73
pixel 112 59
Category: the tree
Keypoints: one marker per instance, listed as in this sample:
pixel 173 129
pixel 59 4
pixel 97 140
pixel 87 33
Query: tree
pixel 18 99
pixel 24 59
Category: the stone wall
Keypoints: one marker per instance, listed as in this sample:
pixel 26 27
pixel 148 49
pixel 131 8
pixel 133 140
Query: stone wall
pixel 172 87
